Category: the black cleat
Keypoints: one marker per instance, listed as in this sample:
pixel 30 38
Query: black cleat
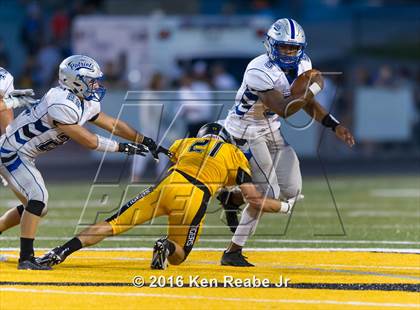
pixel 231 210
pixel 160 254
pixel 31 264
pixel 235 259
pixel 54 257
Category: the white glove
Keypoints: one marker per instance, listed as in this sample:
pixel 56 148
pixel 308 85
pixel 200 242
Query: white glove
pixel 287 206
pixel 22 92
pixel 12 102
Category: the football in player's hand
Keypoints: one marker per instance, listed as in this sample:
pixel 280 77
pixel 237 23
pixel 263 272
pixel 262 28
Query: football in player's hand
pixel 305 83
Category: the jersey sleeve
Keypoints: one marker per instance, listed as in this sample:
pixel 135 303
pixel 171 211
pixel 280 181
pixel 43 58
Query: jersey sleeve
pixel 242 174
pixel 63 114
pixel 259 80
pixel 95 109
pixel 175 149
pixel 305 64
pixel 6 83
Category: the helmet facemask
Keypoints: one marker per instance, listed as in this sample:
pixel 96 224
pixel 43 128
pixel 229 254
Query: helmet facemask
pixel 277 52
pixel 93 89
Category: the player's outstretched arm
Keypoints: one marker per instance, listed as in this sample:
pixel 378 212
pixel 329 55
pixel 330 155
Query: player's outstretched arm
pixel 257 201
pixel 16 99
pixel 118 128
pixel 315 110
pixel 98 143
pixel 123 130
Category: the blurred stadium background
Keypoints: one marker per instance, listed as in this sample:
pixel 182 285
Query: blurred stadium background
pixel 370 47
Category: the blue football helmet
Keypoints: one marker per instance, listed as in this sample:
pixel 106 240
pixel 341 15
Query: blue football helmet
pixel 285 31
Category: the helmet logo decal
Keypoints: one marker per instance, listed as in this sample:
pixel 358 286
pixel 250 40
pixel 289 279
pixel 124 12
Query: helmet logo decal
pixel 81 65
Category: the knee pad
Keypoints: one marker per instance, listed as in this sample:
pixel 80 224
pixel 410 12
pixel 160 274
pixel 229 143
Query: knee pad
pixel 35 207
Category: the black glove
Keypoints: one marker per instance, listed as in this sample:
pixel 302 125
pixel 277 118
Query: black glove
pixel 153 148
pixel 161 149
pixel 132 149
pixel 151 145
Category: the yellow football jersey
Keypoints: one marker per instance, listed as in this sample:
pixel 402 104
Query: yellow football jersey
pixel 211 161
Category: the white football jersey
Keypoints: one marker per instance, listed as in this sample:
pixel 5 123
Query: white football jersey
pixel 6 82
pixel 34 131
pixel 249 118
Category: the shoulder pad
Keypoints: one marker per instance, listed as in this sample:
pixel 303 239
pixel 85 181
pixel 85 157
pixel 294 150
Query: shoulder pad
pixel 73 98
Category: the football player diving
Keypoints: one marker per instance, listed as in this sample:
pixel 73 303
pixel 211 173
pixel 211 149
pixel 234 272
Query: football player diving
pixel 202 165
pixel 58 117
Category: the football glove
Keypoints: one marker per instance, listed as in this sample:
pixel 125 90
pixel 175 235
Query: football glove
pixel 22 92
pixel 13 102
pixel 154 149
pixel 132 149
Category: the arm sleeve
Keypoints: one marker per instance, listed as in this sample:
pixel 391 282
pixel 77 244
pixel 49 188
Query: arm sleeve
pixel 63 114
pixel 257 79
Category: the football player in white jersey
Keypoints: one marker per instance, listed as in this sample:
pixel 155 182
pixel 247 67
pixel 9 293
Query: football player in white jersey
pixel 58 117
pixel 255 123
pixel 11 98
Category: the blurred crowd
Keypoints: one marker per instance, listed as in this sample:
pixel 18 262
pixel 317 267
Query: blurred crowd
pixel 46 38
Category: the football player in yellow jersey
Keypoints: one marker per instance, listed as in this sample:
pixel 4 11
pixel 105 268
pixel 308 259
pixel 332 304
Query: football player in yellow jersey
pixel 201 167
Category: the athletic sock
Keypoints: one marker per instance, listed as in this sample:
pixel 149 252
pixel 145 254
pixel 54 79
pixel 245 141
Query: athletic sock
pixel 26 248
pixel 171 247
pixel 72 246
pixel 246 227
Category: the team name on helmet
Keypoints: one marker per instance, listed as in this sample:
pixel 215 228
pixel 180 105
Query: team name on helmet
pixel 81 64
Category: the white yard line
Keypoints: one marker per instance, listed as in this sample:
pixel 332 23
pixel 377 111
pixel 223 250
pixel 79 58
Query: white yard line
pixel 138 249
pixel 396 192
pixel 217 298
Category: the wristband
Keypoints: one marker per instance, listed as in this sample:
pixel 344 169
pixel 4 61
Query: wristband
pixel 315 88
pixel 106 145
pixel 329 121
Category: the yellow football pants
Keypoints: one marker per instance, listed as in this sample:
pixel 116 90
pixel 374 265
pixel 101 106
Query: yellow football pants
pixel 181 197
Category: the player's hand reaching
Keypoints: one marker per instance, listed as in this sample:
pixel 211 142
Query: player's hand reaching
pixel 151 145
pixel 345 135
pixel 20 98
pixel 132 149
pixel 154 149
pixel 163 150
pixel 22 92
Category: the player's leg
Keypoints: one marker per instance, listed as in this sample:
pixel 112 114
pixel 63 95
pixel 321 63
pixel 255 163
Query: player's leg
pixel 287 167
pixel 264 176
pixel 138 210
pixel 12 217
pixel 25 179
pixel 187 210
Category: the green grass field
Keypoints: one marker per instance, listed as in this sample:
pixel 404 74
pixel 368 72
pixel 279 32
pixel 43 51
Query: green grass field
pixel 370 212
